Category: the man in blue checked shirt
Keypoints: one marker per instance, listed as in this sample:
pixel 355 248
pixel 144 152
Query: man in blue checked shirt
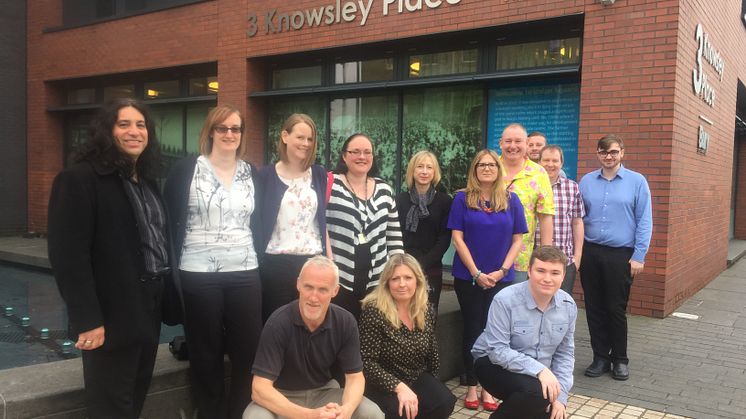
pixel 526 354
pixel 618 226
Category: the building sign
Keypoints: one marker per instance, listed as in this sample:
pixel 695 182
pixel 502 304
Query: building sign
pixel 550 107
pixel 274 21
pixel 701 84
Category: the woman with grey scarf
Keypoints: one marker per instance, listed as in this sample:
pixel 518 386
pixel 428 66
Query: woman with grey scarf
pixel 423 215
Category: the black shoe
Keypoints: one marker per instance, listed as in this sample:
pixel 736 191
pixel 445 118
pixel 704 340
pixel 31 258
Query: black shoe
pixel 620 372
pixel 598 367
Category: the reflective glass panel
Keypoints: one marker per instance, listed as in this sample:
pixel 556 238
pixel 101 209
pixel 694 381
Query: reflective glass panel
pixel 362 71
pixel 203 86
pixel 375 116
pixel 281 109
pixel 169 126
pixel 538 54
pixel 196 114
pixel 448 122
pixel 296 77
pixel 81 96
pixel 443 63
pixel 161 89
pixel 119 92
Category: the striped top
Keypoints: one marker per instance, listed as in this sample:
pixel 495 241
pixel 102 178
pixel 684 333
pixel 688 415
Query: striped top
pixel 347 216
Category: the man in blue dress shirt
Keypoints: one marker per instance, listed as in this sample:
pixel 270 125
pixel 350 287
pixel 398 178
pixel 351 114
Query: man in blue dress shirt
pixel 618 227
pixel 526 354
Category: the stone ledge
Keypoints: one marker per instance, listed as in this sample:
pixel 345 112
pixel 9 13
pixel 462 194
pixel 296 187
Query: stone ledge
pixel 55 389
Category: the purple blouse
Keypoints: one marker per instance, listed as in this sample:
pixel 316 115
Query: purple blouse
pixel 488 235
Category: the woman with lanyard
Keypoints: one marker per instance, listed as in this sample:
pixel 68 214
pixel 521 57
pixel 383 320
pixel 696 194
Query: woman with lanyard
pixel 362 221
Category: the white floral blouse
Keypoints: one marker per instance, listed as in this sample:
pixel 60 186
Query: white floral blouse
pixel 296 231
pixel 218 236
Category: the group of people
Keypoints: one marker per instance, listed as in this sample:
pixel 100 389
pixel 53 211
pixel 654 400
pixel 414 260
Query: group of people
pixel 257 257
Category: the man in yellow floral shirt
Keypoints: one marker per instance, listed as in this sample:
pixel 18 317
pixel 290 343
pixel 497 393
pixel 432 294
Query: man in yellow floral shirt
pixel 530 182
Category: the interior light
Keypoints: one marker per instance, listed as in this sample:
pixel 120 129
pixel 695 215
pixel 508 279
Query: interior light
pixel 152 93
pixel 562 51
pixel 213 85
pixel 414 68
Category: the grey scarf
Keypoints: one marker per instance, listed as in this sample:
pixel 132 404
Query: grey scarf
pixel 419 207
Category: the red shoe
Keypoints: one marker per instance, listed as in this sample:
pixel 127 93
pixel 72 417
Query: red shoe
pixel 471 404
pixel 490 407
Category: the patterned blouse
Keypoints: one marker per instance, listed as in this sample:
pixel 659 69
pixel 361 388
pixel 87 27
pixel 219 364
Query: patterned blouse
pixel 391 355
pixel 532 186
pixel 296 231
pixel 218 236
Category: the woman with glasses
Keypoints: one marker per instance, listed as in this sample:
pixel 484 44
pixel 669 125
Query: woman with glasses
pixel 211 199
pixel 293 212
pixel 423 215
pixel 487 225
pixel 362 221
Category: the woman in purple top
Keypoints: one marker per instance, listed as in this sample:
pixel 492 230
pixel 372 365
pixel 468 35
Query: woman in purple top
pixel 487 224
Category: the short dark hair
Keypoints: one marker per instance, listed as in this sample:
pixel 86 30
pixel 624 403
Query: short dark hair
pixel 548 254
pixel 537 134
pixel 552 147
pixel 102 146
pixel 341 167
pixel 608 140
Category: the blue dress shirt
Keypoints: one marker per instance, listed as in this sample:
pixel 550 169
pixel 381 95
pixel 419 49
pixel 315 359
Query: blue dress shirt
pixel 522 339
pixel 618 212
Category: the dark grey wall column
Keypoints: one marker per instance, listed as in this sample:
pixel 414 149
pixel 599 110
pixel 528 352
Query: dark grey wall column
pixel 13 174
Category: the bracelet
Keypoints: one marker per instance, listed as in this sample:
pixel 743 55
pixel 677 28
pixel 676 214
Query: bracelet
pixel 505 271
pixel 474 278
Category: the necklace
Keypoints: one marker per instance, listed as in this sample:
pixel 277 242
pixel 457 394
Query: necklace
pixel 361 238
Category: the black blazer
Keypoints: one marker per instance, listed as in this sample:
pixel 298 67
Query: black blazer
pixel 96 257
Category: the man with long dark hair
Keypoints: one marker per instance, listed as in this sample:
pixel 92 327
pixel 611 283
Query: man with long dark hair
pixel 107 249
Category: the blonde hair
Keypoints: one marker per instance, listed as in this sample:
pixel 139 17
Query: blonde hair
pixel 292 121
pixel 381 297
pixel 418 158
pixel 498 196
pixel 217 115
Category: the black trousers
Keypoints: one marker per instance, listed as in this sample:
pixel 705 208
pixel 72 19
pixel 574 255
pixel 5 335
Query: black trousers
pixel 279 275
pixel 520 393
pixel 475 305
pixel 350 300
pixel 606 278
pixel 223 311
pixel 568 282
pixel 434 399
pixel 117 378
pixel 435 282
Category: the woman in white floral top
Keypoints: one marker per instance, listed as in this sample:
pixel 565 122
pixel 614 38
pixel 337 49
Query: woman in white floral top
pixel 210 199
pixel 292 214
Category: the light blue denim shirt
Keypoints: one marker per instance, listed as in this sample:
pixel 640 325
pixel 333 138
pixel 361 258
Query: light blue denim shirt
pixel 618 212
pixel 522 339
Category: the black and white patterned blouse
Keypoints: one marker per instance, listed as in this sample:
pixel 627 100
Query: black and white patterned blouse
pixel 392 355
pixel 218 235
pixel 348 216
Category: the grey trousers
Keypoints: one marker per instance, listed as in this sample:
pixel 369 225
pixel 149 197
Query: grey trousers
pixel 314 398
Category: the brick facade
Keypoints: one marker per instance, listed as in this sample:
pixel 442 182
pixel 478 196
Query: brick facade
pixel 636 81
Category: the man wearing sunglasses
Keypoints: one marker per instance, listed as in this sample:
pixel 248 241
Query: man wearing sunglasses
pixel 618 226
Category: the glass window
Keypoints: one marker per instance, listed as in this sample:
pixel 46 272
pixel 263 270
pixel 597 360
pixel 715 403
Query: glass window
pixel 196 114
pixel 280 109
pixel 203 86
pixel 119 92
pixel 448 122
pixel 81 96
pixel 443 63
pixel 161 89
pixel 362 71
pixel 296 77
pixel 169 126
pixel 375 116
pixel 538 54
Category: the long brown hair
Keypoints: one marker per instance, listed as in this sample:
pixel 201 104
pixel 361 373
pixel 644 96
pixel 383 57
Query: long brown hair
pixel 498 195
pixel 292 121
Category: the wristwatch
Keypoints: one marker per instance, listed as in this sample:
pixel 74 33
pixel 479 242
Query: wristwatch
pixel 505 271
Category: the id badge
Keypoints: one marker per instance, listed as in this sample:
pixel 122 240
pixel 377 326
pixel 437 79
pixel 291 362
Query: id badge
pixel 361 239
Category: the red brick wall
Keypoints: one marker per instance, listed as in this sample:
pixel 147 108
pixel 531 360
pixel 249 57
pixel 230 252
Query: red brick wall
pixel 634 83
pixel 699 212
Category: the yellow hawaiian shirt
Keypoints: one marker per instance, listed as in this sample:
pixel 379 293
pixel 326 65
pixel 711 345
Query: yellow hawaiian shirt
pixel 532 186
